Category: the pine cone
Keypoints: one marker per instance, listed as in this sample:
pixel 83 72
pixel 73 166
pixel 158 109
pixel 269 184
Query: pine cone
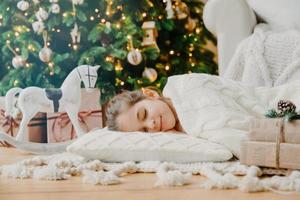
pixel 285 106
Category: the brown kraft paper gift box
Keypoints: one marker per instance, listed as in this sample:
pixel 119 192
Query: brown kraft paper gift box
pixel 267 130
pixel 264 154
pixel 59 126
pixel 36 128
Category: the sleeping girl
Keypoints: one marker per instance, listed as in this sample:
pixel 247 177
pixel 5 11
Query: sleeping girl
pixel 142 110
pixel 206 106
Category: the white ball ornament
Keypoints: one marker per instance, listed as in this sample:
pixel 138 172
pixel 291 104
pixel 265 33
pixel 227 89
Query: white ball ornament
pixel 23 5
pixel 42 15
pixel 150 74
pixel 38 27
pixel 18 61
pixel 55 8
pixel 134 57
pixel 45 54
pixel 77 2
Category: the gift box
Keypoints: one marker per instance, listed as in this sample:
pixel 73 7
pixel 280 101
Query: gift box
pixel 36 129
pixel 270 154
pixel 59 126
pixel 268 129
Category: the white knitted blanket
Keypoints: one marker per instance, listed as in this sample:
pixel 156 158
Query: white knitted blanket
pixel 266 58
pixel 219 109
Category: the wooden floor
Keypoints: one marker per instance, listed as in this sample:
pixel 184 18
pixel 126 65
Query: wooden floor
pixel 134 187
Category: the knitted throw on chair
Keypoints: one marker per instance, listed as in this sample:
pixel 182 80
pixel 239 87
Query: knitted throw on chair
pixel 266 58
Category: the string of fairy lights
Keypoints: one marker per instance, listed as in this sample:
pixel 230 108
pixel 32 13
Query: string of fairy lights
pixel 175 7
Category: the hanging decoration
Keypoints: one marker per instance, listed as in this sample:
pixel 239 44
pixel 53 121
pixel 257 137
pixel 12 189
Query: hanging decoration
pixel 38 27
pixel 134 56
pixel 55 8
pixel 75 35
pixel 77 2
pixel 23 5
pixel 41 15
pixel 191 24
pixel 46 53
pixel 182 10
pixel 17 61
pixel 150 34
pixel 150 74
pixel 169 10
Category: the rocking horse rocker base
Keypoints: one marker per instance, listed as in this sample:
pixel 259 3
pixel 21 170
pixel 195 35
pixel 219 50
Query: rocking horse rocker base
pixel 32 100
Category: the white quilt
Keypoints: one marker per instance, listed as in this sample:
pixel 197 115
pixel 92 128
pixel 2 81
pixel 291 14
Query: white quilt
pixel 219 109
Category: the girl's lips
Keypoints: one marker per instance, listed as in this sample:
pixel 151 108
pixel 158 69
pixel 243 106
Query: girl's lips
pixel 160 123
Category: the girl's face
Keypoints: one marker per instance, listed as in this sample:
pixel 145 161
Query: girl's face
pixel 148 115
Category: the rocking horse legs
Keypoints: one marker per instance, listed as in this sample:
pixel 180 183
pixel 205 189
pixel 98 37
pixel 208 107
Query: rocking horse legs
pixel 27 116
pixel 72 113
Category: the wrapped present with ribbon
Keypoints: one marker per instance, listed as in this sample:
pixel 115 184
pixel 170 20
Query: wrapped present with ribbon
pixel 8 125
pixel 283 121
pixel 270 154
pixel 60 127
pixel 267 130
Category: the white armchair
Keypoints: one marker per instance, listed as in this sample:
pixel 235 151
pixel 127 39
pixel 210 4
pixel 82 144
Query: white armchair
pixel 233 20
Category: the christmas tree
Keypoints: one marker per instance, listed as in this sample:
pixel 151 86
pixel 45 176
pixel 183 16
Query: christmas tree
pixel 138 43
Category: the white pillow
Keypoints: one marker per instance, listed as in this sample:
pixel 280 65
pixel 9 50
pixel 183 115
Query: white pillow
pixel 113 146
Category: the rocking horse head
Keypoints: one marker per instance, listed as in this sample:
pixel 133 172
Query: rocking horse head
pixel 88 75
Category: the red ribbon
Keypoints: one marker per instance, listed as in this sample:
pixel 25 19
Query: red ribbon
pixel 63 120
pixel 9 122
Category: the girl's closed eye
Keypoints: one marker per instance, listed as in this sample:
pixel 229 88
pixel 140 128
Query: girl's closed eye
pixel 142 114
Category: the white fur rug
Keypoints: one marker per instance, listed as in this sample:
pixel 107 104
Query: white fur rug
pixel 223 175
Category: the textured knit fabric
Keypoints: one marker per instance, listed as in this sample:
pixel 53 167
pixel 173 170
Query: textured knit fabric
pixel 266 58
pixel 117 146
pixel 219 109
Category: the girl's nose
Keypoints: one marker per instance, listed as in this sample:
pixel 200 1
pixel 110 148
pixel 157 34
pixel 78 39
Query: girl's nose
pixel 151 125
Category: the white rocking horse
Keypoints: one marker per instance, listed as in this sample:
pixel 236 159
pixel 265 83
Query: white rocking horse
pixel 67 98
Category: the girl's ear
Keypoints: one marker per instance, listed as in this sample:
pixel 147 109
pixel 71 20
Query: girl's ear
pixel 150 93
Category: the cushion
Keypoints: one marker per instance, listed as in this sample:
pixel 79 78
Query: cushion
pixel 114 146
pixel 279 14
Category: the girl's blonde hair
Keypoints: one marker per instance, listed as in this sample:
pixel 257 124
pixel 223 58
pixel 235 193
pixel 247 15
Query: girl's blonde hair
pixel 126 98
pixel 115 105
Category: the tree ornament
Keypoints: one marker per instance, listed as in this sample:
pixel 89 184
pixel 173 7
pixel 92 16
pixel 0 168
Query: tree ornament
pixel 23 5
pixel 105 39
pixel 75 34
pixel 182 10
pixel 38 26
pixel 150 74
pixel 169 9
pixel 55 8
pixel 134 57
pixel 150 34
pixel 18 61
pixel 53 1
pixel 46 53
pixel 77 2
pixel 191 24
pixel 42 15
pixel 285 106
